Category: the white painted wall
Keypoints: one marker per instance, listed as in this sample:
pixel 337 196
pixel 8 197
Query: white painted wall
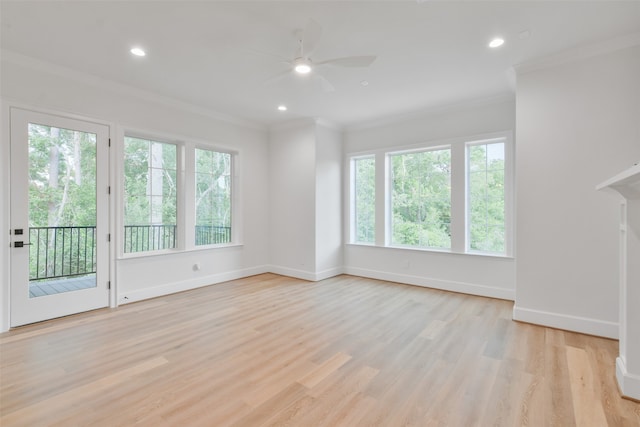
pixel 4 217
pixel 42 86
pixel 482 275
pixel 328 201
pixel 292 203
pixel 578 124
pixel 305 208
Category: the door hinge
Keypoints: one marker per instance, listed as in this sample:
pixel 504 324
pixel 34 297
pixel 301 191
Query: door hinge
pixel 109 237
pixel 109 190
pixel 109 285
pixel 109 142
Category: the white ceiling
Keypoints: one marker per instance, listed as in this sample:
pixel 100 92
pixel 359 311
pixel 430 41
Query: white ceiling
pixel 430 53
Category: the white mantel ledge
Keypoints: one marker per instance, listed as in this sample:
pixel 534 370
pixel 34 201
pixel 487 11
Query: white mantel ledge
pixel 626 183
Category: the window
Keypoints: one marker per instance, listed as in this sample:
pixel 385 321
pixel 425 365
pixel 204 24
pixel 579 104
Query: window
pixel 421 198
pixel 448 196
pixel 150 195
pixel 486 196
pixel 213 197
pixel 364 188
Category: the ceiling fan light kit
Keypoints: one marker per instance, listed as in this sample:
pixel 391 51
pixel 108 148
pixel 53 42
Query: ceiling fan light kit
pixel 302 63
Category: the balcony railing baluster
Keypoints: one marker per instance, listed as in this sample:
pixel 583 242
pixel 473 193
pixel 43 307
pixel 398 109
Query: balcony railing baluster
pixel 70 251
pixel 140 238
pixel 63 254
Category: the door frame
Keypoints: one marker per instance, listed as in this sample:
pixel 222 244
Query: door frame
pixel 6 108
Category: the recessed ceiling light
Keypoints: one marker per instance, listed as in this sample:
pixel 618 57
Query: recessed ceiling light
pixel 137 51
pixel 282 107
pixel 364 83
pixel 497 42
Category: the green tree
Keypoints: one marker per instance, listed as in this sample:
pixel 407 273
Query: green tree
pixel 62 193
pixel 365 199
pixel 150 194
pixel 213 196
pixel 421 198
pixel 487 198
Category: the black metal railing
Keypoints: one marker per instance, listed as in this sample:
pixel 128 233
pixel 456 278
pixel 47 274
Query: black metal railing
pixel 61 252
pixel 71 251
pixel 212 235
pixel 141 238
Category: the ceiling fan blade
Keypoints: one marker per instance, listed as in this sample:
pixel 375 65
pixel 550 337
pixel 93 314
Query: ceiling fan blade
pixel 311 36
pixel 350 61
pixel 276 77
pixel 270 55
pixel 324 83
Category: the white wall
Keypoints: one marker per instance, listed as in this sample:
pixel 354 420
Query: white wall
pixel 4 218
pixel 578 124
pixel 305 207
pixel 481 275
pixel 328 201
pixel 292 215
pixel 41 86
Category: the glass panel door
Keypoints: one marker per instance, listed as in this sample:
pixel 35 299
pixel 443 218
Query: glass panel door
pixel 59 217
pixel 62 210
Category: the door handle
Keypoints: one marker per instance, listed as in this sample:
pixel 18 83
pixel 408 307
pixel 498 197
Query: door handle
pixel 20 244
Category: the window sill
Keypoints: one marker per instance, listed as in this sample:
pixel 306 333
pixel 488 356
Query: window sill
pixel 138 255
pixel 434 251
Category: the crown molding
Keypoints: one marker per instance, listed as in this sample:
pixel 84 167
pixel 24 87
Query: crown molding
pixel 442 109
pixel 126 90
pixel 292 124
pixel 329 124
pixel 579 53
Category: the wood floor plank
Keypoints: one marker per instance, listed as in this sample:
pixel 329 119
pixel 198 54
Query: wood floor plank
pixel 587 407
pixel 321 372
pixel 270 350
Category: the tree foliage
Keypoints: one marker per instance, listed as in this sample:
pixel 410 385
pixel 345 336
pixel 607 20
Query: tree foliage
pixel 150 181
pixel 365 203
pixel 421 198
pixel 486 198
pixel 213 197
pixel 62 177
pixel 62 193
pixel 213 188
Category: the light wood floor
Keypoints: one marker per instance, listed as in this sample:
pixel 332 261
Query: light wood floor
pixel 275 351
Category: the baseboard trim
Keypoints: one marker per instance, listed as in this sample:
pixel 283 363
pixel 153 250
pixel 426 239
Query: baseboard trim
pixel 171 288
pixel 306 275
pixel 629 384
pixel 567 322
pixel 427 282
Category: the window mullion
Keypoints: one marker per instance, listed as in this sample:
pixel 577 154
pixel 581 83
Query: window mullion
pixel 458 198
pixel 382 225
pixel 186 213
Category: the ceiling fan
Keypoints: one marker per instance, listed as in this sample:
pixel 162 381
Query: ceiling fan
pixel 302 63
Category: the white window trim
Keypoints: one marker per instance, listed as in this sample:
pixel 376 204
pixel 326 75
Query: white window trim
pixel 459 193
pixel 185 216
pixel 389 191
pixel 191 218
pixel 352 200
pixel 508 195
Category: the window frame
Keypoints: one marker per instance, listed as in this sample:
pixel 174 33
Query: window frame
pixel 185 176
pixel 389 202
pixel 468 147
pixel 179 233
pixel 232 201
pixel 459 193
pixel 353 236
